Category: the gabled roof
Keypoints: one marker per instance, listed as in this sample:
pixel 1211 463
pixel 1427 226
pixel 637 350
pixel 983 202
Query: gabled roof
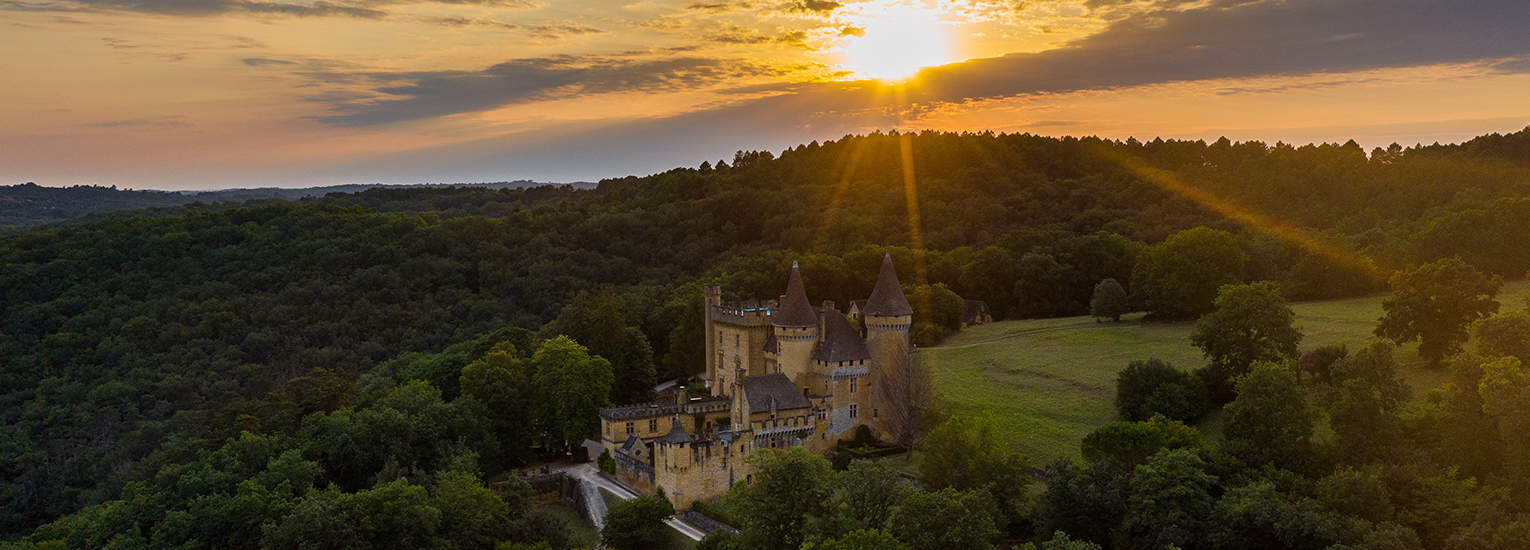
pixel 632 443
pixel 677 433
pixel 887 297
pixel 771 345
pixel 972 310
pixel 762 390
pixel 841 342
pixel 796 310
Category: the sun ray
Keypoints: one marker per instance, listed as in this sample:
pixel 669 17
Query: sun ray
pixel 1290 234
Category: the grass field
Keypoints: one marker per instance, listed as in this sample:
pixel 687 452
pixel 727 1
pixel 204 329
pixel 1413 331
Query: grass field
pixel 1049 382
pixel 585 535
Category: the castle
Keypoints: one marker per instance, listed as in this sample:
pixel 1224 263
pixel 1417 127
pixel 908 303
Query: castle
pixel 780 374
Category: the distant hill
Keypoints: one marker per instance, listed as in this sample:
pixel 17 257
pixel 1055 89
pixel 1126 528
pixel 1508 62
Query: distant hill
pixel 29 204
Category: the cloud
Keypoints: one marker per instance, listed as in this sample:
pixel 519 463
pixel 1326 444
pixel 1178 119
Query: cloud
pixel 717 7
pixel 365 9
pixel 202 7
pixel 161 122
pixel 1248 39
pixel 813 7
pixel 265 61
pixel 413 96
pixel 1513 65
pixel 536 30
pixel 734 34
pixel 1225 40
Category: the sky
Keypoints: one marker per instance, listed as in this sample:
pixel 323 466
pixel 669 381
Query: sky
pixel 206 94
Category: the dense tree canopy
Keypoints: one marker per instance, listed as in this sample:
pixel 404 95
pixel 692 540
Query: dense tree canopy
pixel 1179 277
pixel 136 345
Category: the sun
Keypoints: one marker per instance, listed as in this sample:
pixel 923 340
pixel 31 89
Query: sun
pixel 896 41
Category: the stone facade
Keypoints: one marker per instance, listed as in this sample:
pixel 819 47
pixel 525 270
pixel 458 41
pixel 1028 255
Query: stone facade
pixel 780 373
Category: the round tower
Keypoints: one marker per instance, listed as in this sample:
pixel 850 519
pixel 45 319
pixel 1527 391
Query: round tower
pixel 796 330
pixel 888 316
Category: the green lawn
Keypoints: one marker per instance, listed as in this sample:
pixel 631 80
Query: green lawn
pixel 585 535
pixel 1049 382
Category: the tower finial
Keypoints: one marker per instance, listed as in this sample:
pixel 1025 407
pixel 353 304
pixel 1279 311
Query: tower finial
pixel 796 310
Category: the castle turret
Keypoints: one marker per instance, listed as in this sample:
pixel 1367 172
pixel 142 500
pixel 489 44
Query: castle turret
pixel 713 293
pixel 796 330
pixel 887 315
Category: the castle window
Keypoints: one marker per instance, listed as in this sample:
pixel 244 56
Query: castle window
pixel 653 424
pixel 873 412
pixel 735 339
pixel 629 428
pixel 854 411
pixel 852 385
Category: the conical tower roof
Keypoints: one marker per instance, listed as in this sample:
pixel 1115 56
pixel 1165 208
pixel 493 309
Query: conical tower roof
pixel 677 433
pixel 796 310
pixel 887 297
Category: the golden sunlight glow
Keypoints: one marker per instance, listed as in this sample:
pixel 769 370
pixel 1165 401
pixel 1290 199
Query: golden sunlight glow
pixel 897 40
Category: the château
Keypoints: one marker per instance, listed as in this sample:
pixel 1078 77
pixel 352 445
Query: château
pixel 780 373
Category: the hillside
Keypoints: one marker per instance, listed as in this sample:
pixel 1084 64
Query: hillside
pixel 1052 381
pixel 135 345
pixel 29 204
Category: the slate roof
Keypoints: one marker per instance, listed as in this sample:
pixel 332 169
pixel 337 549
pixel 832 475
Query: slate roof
pixel 972 311
pixel 677 433
pixel 887 297
pixel 632 443
pixel 771 345
pixel 841 342
pixel 796 310
pixel 762 390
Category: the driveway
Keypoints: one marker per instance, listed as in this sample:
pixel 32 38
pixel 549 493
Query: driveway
pixel 589 473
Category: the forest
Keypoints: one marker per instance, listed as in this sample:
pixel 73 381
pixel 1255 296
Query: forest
pixel 28 205
pixel 259 374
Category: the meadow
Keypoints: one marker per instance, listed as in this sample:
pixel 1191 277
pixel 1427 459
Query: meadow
pixel 1049 382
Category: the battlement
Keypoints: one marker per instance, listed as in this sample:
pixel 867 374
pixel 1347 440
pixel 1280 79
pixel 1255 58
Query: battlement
pixel 641 411
pixel 735 314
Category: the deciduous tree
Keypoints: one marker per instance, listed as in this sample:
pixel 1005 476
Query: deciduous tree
pixel 571 386
pixel 1270 422
pixel 907 391
pixel 1109 301
pixel 1151 387
pixel 787 488
pixel 637 524
pixel 1179 277
pixel 1250 323
pixel 1434 303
